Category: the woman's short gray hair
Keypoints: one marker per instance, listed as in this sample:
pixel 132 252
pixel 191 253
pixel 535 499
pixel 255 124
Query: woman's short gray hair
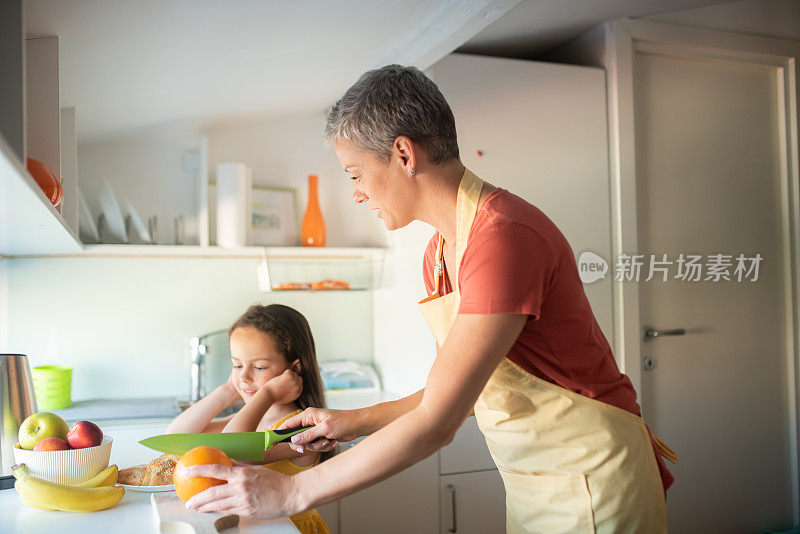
pixel 391 101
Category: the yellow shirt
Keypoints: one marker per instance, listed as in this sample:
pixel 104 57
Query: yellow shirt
pixel 308 522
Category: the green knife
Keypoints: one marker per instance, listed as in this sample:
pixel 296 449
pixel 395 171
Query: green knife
pixel 245 446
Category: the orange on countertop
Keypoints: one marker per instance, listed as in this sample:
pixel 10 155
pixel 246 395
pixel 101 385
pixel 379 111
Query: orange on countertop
pixel 185 486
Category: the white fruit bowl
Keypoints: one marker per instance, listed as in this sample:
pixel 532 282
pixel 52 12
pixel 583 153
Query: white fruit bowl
pixel 66 467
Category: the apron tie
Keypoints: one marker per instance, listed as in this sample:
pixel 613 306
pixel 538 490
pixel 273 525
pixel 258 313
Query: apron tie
pixel 665 451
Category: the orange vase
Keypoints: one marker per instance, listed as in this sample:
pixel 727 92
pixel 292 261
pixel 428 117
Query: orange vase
pixel 312 233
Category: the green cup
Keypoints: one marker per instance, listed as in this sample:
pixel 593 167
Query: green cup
pixel 53 387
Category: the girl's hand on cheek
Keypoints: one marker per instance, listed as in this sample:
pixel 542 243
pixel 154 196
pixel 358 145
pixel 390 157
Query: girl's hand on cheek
pixel 231 386
pixel 285 387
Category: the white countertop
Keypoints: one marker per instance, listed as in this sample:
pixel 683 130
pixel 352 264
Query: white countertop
pixel 134 513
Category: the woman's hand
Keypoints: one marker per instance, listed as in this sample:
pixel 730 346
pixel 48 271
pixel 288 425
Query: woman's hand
pixel 285 387
pixel 330 425
pixel 250 491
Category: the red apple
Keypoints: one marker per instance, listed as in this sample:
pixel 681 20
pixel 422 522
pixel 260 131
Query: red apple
pixel 51 444
pixel 84 434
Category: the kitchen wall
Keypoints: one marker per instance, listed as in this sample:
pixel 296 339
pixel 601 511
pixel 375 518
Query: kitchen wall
pixel 404 348
pixel 148 169
pixel 124 324
pixel 3 304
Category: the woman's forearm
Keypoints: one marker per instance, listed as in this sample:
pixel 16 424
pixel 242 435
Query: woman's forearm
pixel 379 415
pixel 197 416
pixel 410 438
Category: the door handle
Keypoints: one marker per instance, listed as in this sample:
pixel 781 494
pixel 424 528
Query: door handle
pixel 452 489
pixel 651 333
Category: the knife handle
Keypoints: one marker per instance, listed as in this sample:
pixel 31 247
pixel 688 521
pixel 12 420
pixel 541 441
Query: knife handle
pixel 284 435
pixel 292 431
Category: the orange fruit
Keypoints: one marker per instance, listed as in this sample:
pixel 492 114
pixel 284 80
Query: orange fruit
pixel 185 486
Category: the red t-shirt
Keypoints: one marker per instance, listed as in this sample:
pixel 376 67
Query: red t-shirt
pixel 517 261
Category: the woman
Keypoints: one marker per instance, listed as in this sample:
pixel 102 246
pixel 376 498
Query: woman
pixel 516 342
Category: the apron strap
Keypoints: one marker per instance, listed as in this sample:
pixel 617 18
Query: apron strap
pixel 665 451
pixel 469 193
pixel 437 266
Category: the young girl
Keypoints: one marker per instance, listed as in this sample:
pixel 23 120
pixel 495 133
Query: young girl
pixel 275 372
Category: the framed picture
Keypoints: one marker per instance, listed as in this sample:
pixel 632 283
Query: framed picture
pixel 273 220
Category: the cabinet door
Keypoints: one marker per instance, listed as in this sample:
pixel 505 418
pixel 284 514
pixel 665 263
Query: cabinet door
pixel 330 514
pixel 472 503
pixel 405 503
pixel 467 451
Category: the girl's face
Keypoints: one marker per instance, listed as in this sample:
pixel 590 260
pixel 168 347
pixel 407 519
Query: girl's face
pixel 255 360
pixel 383 187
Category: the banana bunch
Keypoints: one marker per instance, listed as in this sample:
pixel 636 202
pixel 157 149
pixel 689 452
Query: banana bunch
pixel 95 494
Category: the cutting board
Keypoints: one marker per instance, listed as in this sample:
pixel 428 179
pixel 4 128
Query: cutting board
pixel 172 517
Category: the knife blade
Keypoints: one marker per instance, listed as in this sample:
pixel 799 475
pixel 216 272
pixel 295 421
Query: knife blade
pixel 244 446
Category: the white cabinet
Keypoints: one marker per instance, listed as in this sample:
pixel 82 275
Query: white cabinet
pixel 467 451
pixel 472 503
pixel 126 451
pixel 540 131
pixel 330 514
pixel 29 224
pixel 471 494
pixel 405 503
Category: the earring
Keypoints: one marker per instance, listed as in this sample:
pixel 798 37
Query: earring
pixel 411 174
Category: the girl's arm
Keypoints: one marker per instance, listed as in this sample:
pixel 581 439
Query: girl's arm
pixel 282 389
pixel 198 416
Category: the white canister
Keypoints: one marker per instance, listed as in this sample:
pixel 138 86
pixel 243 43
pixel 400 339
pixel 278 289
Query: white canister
pixel 234 181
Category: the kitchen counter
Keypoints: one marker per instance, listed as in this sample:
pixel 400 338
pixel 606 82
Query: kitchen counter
pixel 109 409
pixel 97 410
pixel 134 513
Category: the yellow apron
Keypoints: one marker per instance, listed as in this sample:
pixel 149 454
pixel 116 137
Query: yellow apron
pixel 569 463
pixel 308 522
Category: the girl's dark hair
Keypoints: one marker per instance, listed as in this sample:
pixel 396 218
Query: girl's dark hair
pixel 292 336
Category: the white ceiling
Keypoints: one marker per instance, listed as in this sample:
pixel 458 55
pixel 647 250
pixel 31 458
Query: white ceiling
pixel 536 26
pixel 130 65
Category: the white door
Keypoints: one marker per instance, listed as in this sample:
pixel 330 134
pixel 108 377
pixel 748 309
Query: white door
pixel 473 503
pixel 709 182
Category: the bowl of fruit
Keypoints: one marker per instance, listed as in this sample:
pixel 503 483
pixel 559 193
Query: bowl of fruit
pixel 53 451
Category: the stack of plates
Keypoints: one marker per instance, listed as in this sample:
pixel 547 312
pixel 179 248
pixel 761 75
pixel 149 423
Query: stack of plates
pixel 115 224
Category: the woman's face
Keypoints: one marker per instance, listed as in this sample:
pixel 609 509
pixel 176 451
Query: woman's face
pixel 255 360
pixel 384 187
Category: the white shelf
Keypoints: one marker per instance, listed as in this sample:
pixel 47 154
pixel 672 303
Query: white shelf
pixel 194 251
pixel 29 224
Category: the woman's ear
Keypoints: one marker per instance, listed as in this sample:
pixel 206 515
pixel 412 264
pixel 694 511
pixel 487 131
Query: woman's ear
pixel 296 367
pixel 405 151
